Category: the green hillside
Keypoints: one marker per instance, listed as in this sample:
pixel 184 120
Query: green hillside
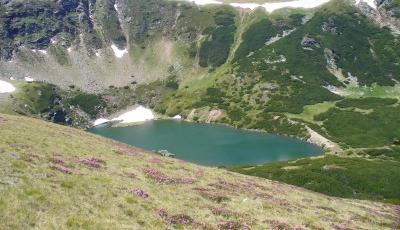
pixel 57 177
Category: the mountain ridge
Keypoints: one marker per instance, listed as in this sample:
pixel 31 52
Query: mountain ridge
pixel 77 37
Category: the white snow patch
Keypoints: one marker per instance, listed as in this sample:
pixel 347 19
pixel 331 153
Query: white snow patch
pixel 100 121
pixel 29 79
pixel 6 87
pixel 116 7
pixel 69 49
pixel 250 6
pixel 371 3
pixel 177 117
pixel 98 53
pixel 140 114
pixel 43 51
pixel 204 2
pixel 117 52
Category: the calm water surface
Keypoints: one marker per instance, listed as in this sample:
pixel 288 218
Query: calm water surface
pixel 210 144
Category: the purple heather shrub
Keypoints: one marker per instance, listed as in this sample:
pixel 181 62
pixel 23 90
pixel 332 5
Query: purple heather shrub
pixel 139 192
pixel 176 219
pixel 232 225
pixel 93 162
pixel 161 178
pixel 162 213
pixel 180 219
pixel 57 160
pixel 62 169
pixel 277 225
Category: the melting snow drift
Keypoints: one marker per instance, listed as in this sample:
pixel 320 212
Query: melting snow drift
pixel 29 79
pixel 140 114
pixel 177 117
pixel 205 2
pixel 6 87
pixel 371 3
pixel 118 53
pixel 100 121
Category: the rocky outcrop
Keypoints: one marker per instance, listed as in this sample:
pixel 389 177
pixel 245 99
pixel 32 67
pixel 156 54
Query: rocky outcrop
pixel 331 65
pixel 309 43
pixel 214 115
pixel 322 141
pixel 386 13
pixel 95 44
pixel 331 59
pixel 329 26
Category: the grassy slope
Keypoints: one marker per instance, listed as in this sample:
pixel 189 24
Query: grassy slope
pixel 36 189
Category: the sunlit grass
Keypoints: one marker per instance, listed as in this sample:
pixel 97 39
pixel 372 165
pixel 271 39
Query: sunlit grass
pixel 309 111
pixel 54 177
pixel 373 91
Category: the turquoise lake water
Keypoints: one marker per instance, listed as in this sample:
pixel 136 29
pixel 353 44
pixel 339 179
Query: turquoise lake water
pixel 210 144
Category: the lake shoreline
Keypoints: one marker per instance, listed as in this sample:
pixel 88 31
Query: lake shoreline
pixel 318 140
pixel 314 137
pixel 211 144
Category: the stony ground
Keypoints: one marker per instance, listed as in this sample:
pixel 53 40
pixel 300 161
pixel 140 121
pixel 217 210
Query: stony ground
pixel 54 177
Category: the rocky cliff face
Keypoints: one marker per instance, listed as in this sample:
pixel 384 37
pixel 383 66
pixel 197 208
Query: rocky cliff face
pixel 386 13
pixel 94 44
